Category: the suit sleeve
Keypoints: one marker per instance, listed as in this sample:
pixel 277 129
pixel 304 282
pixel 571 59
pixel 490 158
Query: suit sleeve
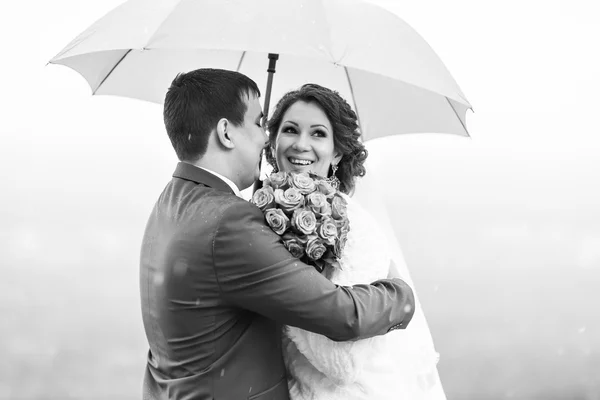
pixel 256 272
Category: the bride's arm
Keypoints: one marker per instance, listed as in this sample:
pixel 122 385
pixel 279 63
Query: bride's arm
pixel 341 362
pixel 366 258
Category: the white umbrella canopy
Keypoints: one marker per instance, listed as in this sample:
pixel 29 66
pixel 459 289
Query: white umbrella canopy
pixel 391 76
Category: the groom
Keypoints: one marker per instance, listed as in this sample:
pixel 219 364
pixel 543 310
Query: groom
pixel 216 283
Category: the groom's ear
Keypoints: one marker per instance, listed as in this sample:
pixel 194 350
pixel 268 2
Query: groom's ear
pixel 224 134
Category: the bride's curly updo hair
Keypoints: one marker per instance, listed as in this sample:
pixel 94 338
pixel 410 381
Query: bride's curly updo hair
pixel 343 120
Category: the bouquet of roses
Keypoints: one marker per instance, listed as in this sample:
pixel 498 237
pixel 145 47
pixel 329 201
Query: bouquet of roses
pixel 308 214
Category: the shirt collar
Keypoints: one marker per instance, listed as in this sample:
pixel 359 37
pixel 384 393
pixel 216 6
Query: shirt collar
pixel 228 181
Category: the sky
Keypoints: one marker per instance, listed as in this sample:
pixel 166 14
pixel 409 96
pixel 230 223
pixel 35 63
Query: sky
pixel 80 173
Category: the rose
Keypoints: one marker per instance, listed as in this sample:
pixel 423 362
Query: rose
pixel 302 239
pixel 315 247
pixel 340 243
pixel 317 202
pixel 325 211
pixel 264 198
pixel 278 180
pixel 338 207
pixel 325 188
pixel 289 200
pixel 277 220
pixel 304 221
pixel 293 244
pixel 303 182
pixel 342 224
pixel 328 231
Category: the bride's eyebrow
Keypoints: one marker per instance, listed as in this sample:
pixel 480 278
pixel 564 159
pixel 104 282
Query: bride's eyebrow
pixel 290 122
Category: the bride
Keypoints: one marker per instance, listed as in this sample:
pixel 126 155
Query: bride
pixel 314 129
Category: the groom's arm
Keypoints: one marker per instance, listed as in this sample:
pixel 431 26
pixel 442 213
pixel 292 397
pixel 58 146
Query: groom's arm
pixel 256 272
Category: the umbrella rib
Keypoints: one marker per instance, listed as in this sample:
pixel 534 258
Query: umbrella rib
pixel 241 60
pixel 457 116
pixel 111 71
pixel 355 104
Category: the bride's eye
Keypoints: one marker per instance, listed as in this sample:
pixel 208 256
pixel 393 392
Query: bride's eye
pixel 319 133
pixel 289 129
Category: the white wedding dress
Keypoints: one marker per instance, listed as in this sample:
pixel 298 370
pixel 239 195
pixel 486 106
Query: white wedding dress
pixel 398 365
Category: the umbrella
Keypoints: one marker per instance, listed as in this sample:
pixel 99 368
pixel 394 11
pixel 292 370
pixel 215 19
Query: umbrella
pixel 392 77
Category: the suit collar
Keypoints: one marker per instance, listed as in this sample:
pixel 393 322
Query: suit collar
pixel 192 173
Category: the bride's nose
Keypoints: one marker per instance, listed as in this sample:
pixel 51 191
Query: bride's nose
pixel 301 143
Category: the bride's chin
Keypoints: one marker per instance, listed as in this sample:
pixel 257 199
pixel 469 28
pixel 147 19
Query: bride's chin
pixel 294 168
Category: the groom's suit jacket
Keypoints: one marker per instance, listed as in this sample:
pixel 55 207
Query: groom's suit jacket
pixel 216 285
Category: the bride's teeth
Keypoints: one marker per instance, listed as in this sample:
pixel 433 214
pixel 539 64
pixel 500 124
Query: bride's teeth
pixel 300 162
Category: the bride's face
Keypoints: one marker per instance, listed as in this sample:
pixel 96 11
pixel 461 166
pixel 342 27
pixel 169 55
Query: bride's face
pixel 305 140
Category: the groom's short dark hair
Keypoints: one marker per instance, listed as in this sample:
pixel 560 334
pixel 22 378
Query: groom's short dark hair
pixel 197 100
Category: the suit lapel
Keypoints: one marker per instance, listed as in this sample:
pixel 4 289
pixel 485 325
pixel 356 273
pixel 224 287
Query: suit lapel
pixel 192 173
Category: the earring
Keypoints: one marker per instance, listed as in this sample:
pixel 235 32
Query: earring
pixel 333 179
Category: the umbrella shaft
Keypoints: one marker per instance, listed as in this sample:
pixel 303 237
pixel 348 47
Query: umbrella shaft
pixel 271 71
